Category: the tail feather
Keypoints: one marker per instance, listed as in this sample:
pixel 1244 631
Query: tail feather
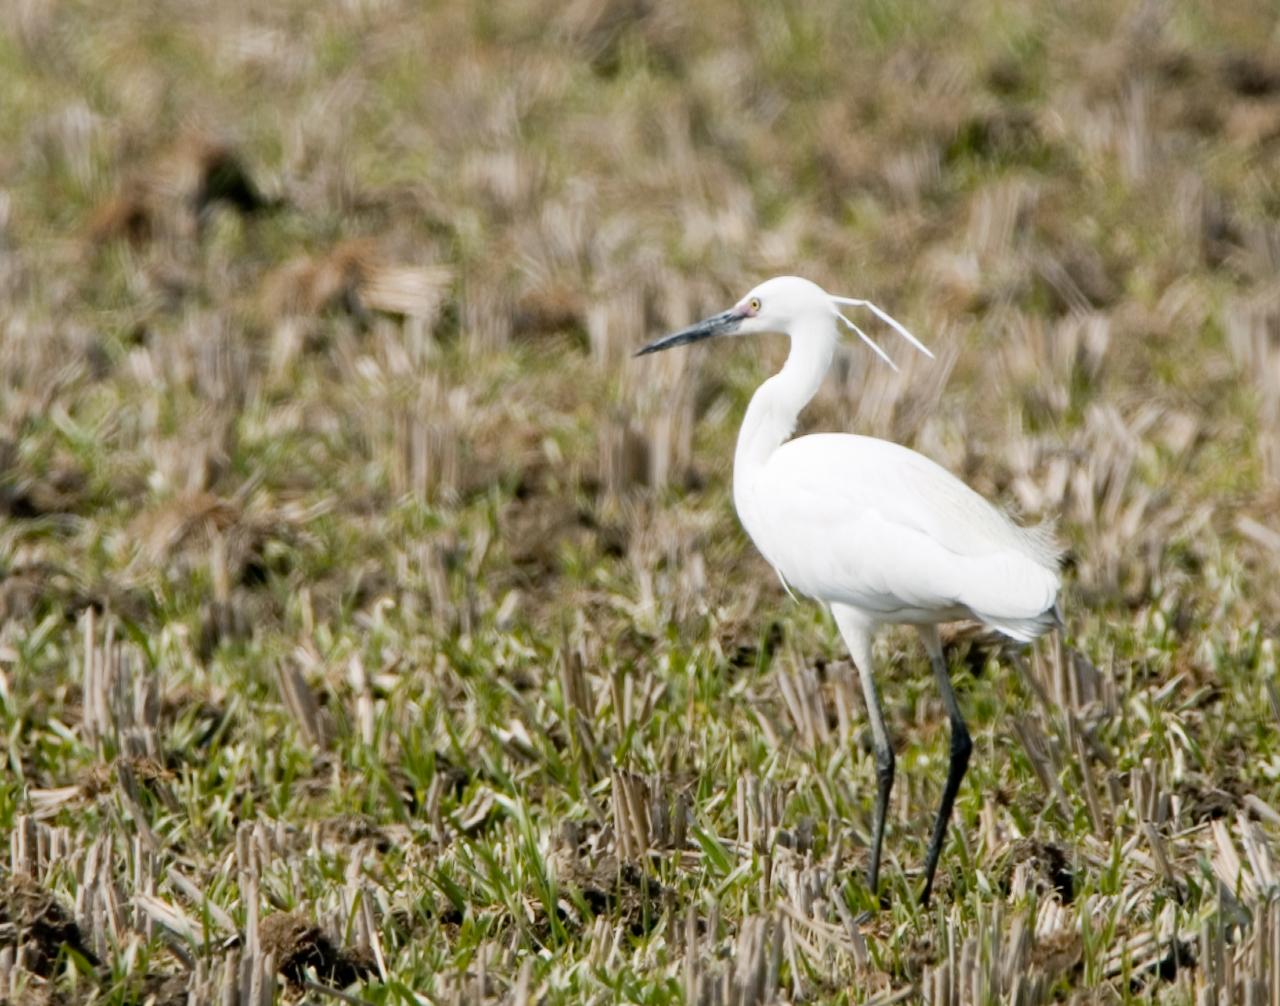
pixel 1012 592
pixel 1026 630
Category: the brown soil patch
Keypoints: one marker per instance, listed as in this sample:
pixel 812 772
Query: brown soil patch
pixel 1049 862
pixel 164 990
pixel 298 945
pixel 622 891
pixel 32 917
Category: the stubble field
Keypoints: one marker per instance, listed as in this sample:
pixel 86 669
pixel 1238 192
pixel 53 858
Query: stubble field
pixel 375 629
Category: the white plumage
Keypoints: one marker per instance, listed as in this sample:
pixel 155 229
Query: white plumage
pixel 876 531
pixel 870 524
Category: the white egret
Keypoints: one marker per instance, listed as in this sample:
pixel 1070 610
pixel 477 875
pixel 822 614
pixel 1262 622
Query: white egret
pixel 879 533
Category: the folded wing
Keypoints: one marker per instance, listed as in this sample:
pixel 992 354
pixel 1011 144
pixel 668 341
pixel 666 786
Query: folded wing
pixel 875 525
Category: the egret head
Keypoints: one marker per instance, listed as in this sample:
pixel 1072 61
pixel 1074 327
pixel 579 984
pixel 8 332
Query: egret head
pixel 786 304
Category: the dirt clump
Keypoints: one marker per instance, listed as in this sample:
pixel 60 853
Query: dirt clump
pixel 615 888
pixel 298 945
pixel 163 990
pixel 31 918
pixel 1048 863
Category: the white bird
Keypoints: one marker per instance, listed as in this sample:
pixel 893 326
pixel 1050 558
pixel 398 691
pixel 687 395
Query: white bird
pixel 879 533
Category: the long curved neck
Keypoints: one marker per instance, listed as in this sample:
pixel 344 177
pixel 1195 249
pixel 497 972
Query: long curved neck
pixel 775 407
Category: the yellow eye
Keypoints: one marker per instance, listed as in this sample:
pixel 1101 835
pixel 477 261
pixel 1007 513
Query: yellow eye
pixel 754 305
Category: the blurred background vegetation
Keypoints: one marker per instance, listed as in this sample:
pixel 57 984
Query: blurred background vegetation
pixel 369 616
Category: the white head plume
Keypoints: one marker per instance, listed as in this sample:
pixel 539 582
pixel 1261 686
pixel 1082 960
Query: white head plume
pixel 884 316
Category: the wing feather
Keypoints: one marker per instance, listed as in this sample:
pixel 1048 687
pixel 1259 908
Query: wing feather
pixel 876 525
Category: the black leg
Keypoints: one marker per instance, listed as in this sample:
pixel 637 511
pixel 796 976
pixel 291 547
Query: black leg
pixel 857 638
pixel 961 748
pixel 884 780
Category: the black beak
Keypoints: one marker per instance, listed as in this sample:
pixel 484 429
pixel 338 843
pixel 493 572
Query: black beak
pixel 719 324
